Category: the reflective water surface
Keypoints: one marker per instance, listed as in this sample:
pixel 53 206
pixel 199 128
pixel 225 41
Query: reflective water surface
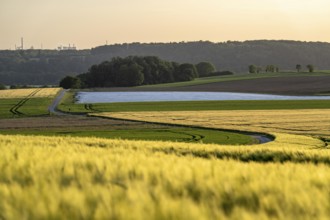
pixel 110 97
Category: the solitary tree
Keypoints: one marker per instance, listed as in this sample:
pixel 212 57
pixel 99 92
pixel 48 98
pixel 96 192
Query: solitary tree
pixel 310 68
pixel 205 68
pixel 298 68
pixel 253 69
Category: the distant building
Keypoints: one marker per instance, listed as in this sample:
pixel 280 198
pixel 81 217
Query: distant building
pixel 73 47
pixel 20 47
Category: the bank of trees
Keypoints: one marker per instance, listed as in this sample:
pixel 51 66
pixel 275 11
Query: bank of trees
pixel 135 71
pixel 70 82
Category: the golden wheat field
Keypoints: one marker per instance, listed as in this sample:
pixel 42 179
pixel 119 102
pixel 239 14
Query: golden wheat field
pixel 90 178
pixel 31 93
pixel 94 178
pixel 305 122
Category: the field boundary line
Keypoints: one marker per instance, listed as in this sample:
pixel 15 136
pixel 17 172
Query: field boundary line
pixel 261 137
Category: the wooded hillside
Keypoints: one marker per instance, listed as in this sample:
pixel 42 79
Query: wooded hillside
pixel 49 66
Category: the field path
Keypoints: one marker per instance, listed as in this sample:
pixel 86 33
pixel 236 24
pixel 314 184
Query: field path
pixel 53 107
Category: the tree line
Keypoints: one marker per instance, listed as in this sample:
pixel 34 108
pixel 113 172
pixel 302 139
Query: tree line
pixel 136 71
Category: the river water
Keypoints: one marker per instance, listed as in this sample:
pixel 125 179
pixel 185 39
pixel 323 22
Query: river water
pixel 111 97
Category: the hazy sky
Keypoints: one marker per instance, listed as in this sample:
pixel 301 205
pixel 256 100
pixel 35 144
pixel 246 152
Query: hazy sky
pixel 89 23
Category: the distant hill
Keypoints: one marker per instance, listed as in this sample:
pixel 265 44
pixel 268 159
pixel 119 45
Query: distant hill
pixel 49 66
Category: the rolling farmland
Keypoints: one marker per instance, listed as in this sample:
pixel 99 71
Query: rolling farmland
pixel 165 110
pixel 295 131
pixel 314 122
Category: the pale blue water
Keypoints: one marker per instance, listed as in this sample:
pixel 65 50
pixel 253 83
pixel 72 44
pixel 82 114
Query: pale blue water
pixel 111 97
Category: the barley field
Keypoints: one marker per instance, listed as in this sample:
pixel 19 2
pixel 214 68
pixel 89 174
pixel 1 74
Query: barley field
pixel 90 178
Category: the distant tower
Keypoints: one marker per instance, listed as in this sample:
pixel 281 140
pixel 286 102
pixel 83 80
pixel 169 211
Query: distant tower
pixel 22 43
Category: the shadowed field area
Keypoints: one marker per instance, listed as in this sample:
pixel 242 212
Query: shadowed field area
pixel 308 85
pixel 79 126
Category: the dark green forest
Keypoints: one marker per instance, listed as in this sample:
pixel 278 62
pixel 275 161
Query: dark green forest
pixel 136 71
pixel 39 67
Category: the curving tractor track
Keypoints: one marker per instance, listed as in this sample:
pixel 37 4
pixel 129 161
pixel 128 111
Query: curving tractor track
pixel 14 110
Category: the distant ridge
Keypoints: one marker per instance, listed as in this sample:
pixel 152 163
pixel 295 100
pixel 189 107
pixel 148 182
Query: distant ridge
pixel 231 55
pixel 49 66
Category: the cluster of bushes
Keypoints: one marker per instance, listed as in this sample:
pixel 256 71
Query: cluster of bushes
pixel 267 69
pixel 135 71
pixel 17 86
pixel 2 86
pixel 273 68
pixel 309 67
pixel 221 73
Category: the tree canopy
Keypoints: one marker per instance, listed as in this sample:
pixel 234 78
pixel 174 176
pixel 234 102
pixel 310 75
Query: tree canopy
pixel 298 68
pixel 205 69
pixel 310 68
pixel 135 71
pixel 253 68
pixel 70 82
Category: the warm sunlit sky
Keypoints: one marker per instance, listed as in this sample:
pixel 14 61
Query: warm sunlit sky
pixel 89 23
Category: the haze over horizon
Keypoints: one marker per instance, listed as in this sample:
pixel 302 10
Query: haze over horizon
pixel 88 24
